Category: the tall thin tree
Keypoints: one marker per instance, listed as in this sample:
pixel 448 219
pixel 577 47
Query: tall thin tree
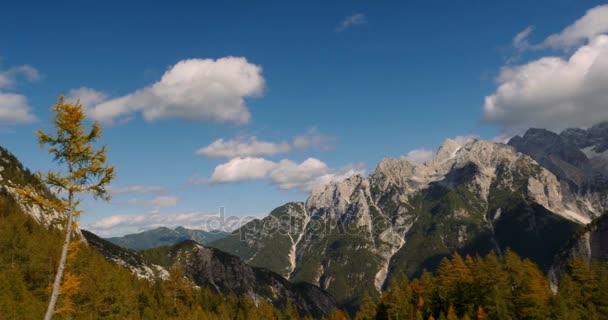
pixel 72 146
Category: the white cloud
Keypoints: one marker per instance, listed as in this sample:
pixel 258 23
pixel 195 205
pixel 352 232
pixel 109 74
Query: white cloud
pixel 88 97
pixel 466 138
pixel 250 146
pixel 14 108
pixel 553 92
pixel 288 174
pixel 423 155
pixel 243 147
pixel 420 155
pixel 194 89
pixel 135 189
pixel 592 24
pixel 132 223
pixel 520 41
pixel 313 139
pixel 351 21
pixel 9 77
pixel 239 169
pixel 285 174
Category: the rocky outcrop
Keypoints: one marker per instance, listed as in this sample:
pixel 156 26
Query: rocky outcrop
pixel 579 160
pixel 230 275
pixel 126 258
pixel 590 244
pixel 12 176
pixel 360 232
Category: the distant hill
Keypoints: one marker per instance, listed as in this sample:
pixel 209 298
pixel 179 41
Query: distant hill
pixel 165 236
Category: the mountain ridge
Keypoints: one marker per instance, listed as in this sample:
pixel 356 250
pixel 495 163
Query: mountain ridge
pixel 165 236
pixel 359 233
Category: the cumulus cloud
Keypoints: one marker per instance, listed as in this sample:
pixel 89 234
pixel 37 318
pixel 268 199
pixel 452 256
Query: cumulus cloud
pixel 313 139
pixel 423 155
pixel 14 108
pixel 351 21
pixel 553 92
pixel 592 24
pixel 8 78
pixel 520 41
pixel 131 223
pixel 288 174
pixel 135 189
pixel 194 89
pixel 243 147
pixel 285 174
pixel 88 97
pixel 250 146
pixel 239 169
pixel 420 155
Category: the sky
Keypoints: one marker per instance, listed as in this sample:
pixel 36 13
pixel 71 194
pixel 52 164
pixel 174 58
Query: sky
pixel 248 105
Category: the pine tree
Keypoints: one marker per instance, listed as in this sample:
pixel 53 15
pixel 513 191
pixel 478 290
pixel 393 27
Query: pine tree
pixel 451 313
pixel 87 173
pixel 367 310
pixel 481 314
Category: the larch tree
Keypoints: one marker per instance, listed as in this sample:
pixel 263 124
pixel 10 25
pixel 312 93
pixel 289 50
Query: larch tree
pixel 87 173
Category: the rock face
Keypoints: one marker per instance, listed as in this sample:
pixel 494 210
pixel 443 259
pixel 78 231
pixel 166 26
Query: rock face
pixel 578 158
pixel 591 243
pixel 13 175
pixel 207 267
pixel 125 257
pixel 228 274
pixel 351 237
pixel 164 236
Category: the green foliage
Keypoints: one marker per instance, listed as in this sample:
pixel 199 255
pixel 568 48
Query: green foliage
pixel 29 255
pixel 495 288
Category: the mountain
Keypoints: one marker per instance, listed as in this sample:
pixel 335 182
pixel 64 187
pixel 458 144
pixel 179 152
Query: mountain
pixel 121 283
pixel 228 274
pixel 165 236
pixel 14 175
pixel 125 257
pixel 578 158
pixel 590 243
pixel 352 237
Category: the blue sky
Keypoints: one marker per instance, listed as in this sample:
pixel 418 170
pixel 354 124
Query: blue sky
pixel 341 83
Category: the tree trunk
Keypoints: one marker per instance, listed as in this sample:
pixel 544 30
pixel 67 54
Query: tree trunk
pixel 64 253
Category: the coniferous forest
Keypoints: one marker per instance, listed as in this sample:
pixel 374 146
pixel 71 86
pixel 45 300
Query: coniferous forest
pixel 304 160
pixel 489 287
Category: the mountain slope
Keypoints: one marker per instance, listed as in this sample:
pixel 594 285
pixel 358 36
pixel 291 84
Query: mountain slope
pixel 352 237
pixel 112 286
pixel 14 175
pixel 579 160
pixel 590 243
pixel 259 241
pixel 228 274
pixel 164 236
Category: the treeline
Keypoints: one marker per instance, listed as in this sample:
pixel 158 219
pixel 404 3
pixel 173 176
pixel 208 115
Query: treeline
pixel 99 290
pixel 494 288
pixel 491 287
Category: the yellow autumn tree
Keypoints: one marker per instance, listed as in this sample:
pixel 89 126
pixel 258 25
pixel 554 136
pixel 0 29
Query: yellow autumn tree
pixel 86 172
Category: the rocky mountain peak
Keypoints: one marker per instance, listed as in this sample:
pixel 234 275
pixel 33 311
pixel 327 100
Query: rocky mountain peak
pixel 337 193
pixel 447 151
pixel 14 175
